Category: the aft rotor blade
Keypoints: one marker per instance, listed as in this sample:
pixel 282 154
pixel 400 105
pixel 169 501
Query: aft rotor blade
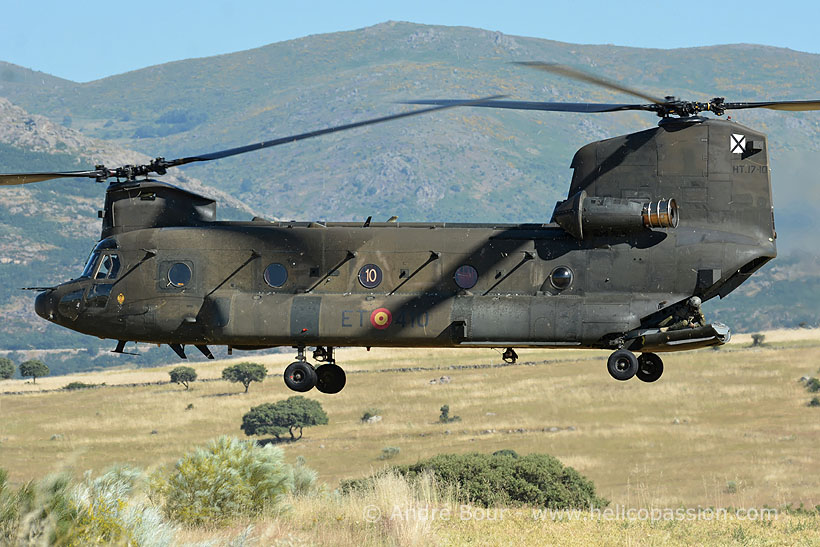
pixel 26 178
pixel 576 74
pixel 301 136
pixel 794 106
pixel 534 105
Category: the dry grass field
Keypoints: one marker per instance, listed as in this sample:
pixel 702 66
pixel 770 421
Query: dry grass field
pixel 725 428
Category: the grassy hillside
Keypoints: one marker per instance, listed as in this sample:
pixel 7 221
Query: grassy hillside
pixel 739 412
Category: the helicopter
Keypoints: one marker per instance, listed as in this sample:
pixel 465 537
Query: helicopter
pixel 654 223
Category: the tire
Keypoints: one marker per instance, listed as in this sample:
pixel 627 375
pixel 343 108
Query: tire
pixel 300 376
pixel 622 365
pixel 650 367
pixel 330 378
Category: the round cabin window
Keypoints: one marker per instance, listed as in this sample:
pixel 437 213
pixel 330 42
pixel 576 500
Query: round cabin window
pixel 370 276
pixel 276 275
pixel 179 275
pixel 466 277
pixel 561 278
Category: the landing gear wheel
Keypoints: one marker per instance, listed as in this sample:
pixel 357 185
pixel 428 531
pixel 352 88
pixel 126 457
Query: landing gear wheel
pixel 300 376
pixel 622 364
pixel 331 378
pixel 650 367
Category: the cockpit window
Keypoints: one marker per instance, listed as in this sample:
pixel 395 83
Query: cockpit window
pixel 91 264
pixel 109 267
pixel 111 270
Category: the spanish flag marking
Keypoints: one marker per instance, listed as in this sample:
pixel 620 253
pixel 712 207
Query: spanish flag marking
pixel 381 318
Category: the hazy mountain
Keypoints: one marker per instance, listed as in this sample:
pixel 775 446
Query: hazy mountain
pixel 459 165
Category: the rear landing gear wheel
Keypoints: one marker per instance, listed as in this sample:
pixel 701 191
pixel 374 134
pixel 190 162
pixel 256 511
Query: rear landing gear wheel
pixel 622 364
pixel 300 376
pixel 330 378
pixel 650 367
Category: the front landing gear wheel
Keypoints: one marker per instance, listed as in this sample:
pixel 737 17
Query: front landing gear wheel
pixel 331 378
pixel 300 376
pixel 650 367
pixel 622 364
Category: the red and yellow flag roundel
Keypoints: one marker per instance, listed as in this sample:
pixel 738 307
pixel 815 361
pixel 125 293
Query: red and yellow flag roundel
pixel 381 318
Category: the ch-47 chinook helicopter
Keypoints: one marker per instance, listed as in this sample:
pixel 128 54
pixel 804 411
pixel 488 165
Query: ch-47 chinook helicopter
pixel 653 221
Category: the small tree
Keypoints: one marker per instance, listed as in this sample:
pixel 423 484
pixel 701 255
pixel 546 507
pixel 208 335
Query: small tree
pixel 445 417
pixel 183 375
pixel 6 368
pixel 34 368
pixel 757 339
pixel 283 416
pixel 245 373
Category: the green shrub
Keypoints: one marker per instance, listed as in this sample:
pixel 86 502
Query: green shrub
pixel 78 385
pixel 813 385
pixel 369 413
pixel 304 479
pixel 535 480
pixel 105 511
pixel 38 513
pixel 9 510
pixel 389 452
pixel 224 480
pixel 815 401
pixel 56 511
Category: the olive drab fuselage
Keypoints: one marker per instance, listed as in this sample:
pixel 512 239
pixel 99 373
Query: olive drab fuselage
pixel 167 272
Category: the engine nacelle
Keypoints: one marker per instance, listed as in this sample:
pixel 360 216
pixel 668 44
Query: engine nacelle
pixel 583 215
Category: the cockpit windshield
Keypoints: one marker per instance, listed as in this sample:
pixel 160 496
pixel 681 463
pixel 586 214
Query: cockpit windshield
pixel 91 264
pixel 103 264
pixel 109 267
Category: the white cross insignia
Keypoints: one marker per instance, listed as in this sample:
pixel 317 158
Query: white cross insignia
pixel 738 145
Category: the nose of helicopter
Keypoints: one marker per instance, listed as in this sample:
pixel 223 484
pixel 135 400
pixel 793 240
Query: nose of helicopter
pixel 44 305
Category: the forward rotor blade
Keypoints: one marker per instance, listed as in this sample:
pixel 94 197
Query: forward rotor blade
pixel 576 74
pixel 26 178
pixel 534 105
pixel 794 106
pixel 301 136
pixel 160 165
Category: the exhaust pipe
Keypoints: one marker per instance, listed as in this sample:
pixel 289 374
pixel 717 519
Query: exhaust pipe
pixel 661 214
